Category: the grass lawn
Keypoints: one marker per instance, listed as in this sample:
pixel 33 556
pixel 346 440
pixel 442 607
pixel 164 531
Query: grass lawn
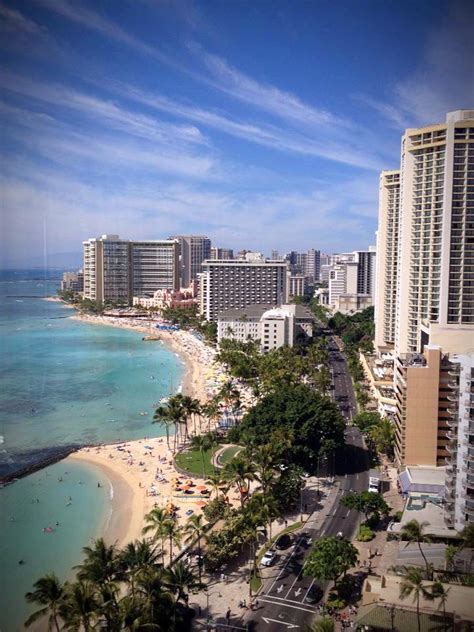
pixel 191 461
pixel 229 454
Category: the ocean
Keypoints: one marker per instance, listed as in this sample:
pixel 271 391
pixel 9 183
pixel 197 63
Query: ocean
pixel 63 382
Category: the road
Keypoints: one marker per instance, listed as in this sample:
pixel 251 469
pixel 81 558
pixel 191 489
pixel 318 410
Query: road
pixel 281 602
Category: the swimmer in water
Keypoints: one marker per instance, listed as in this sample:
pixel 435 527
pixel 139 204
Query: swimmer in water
pixel 20 562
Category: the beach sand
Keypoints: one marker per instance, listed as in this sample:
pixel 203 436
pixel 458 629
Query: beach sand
pixel 141 472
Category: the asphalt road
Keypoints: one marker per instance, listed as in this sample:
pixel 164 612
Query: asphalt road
pixel 281 602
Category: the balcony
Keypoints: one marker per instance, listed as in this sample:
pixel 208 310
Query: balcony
pixel 453 422
pixel 453 448
pixel 451 436
pixel 453 398
pixel 453 385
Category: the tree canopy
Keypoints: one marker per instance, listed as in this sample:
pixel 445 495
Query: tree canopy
pixel 314 421
pixel 330 558
pixel 368 503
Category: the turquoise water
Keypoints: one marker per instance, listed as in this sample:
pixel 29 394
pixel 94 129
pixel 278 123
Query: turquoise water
pixel 22 521
pixel 63 382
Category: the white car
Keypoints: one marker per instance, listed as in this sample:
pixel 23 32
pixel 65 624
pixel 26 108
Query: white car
pixel 268 558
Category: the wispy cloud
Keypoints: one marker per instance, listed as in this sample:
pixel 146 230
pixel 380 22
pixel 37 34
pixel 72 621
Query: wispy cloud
pixel 13 21
pixel 263 134
pixel 264 96
pixel 97 109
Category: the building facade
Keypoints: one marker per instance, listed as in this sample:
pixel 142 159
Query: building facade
pixel 194 249
pixel 72 282
pixel 237 284
pixel 117 269
pixel 387 259
pixel 435 267
pixel 272 327
pixel 221 253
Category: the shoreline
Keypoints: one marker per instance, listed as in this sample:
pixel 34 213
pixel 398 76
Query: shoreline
pixel 142 472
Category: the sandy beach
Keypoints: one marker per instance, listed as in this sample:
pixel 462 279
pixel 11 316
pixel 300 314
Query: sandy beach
pixel 141 472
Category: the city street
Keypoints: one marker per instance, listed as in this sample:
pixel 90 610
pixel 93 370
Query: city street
pixel 282 602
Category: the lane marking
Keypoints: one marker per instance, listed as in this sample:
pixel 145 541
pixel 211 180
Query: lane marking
pixel 290 626
pixel 286 605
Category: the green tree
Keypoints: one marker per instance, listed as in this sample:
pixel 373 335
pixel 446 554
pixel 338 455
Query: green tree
pixel 321 625
pixel 330 558
pixel 49 593
pixel 314 422
pixel 383 435
pixel 136 558
pixel 240 472
pixel 192 408
pixel 369 503
pixel 195 529
pixel 173 532
pixel 440 593
pixel 161 416
pixel 366 420
pixel 80 607
pixel 412 584
pixel 100 565
pixel 414 532
pixel 156 519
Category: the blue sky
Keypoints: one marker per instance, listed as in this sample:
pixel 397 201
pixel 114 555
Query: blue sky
pixel 262 124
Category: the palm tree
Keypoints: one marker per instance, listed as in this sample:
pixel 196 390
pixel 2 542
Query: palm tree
pixel 192 408
pixel 230 395
pixel 438 591
pixel 241 472
pixel 136 558
pixel 412 584
pixel 180 579
pixel 100 564
pixel 156 519
pixel 159 602
pixel 195 528
pixel 49 593
pixel 80 606
pixel 211 410
pixel 203 444
pixel 383 435
pixel 172 531
pixel 133 614
pixel 161 417
pixel 467 535
pixel 413 532
pixel 109 605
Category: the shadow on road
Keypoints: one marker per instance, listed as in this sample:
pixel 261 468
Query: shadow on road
pixel 351 459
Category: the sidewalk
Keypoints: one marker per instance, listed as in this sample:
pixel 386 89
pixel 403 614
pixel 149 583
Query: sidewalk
pixel 227 590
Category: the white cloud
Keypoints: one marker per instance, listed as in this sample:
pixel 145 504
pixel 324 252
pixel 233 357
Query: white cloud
pixel 14 22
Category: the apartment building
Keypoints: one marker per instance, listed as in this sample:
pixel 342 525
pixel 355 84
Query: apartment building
pixel 422 407
pixel 72 282
pixel 237 284
pixel 387 260
pixel 434 261
pixel 117 269
pixel 459 491
pixel 221 253
pixel 297 285
pixel 194 250
pixel 273 327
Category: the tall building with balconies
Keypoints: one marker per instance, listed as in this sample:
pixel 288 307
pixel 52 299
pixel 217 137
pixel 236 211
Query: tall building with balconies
pixel 387 260
pixel 236 284
pixel 435 297
pixel 459 494
pixel 118 269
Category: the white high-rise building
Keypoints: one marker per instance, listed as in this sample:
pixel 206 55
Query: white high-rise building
pixel 117 269
pixel 237 284
pixel 435 295
pixel 387 259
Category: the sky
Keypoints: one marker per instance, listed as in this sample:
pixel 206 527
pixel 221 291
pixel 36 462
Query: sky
pixel 262 124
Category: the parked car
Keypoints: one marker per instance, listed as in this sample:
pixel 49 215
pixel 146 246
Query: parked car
pixel 314 594
pixel 268 558
pixel 283 542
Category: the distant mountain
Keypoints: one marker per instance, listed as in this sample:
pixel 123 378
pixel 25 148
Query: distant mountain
pixel 58 260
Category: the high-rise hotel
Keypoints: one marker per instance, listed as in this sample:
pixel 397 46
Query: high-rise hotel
pixel 425 302
pixel 117 269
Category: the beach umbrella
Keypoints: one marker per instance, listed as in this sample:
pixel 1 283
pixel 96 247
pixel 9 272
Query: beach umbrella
pixel 201 503
pixel 201 488
pixel 184 488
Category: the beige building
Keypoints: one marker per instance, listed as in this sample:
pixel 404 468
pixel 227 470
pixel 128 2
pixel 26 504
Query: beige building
pixel 421 420
pixel 273 327
pixel 117 269
pixel 237 284
pixel 72 282
pixel 297 285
